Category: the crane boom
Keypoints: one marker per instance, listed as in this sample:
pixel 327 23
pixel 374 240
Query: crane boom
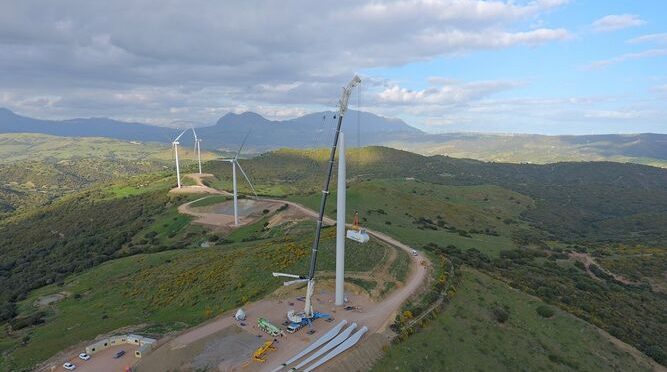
pixel 347 90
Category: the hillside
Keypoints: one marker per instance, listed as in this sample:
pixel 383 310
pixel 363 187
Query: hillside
pixel 365 129
pixel 37 169
pixel 523 225
pixel 647 148
pixel 490 326
pixel 519 222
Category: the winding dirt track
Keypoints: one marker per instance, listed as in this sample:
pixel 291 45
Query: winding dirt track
pixel 376 316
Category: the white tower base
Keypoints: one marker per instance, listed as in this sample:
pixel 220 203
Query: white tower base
pixel 340 225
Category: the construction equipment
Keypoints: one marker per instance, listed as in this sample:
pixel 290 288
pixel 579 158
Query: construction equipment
pixel 240 315
pixel 258 355
pixel 269 328
pixel 356 232
pixel 308 314
pixel 298 321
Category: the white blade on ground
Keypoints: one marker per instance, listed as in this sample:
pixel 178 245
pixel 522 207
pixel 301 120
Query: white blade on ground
pixel 317 343
pixel 288 275
pixel 330 345
pixel 288 283
pixel 341 348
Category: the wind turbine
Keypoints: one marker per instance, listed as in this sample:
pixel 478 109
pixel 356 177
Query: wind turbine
pixel 175 144
pixel 235 163
pixel 197 148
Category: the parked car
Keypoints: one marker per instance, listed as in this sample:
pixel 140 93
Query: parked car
pixel 84 356
pixel 119 354
pixel 69 366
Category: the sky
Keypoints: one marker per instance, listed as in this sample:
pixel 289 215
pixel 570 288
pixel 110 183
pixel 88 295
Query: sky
pixel 532 66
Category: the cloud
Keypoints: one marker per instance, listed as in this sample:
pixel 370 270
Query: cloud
pixel 615 22
pixel 448 94
pixel 651 38
pixel 614 115
pixel 651 53
pixel 149 58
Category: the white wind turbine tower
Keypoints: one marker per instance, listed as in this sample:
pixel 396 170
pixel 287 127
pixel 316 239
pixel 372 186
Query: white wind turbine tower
pixel 175 144
pixel 235 163
pixel 197 148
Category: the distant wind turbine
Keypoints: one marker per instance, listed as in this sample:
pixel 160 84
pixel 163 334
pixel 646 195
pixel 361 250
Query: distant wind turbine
pixel 197 148
pixel 235 163
pixel 175 144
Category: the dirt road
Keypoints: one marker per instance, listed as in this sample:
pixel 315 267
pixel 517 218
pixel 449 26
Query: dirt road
pixel 376 316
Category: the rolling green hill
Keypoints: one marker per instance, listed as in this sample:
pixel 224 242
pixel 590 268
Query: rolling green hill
pixel 515 223
pixel 577 202
pixel 37 169
pixel 169 290
pixel 490 326
pixel 646 148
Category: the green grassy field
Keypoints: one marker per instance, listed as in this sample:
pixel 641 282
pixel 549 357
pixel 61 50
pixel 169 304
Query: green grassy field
pixel 418 213
pixel 173 289
pixel 515 222
pixel 469 337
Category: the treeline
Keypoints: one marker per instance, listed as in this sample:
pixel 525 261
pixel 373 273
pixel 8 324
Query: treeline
pixel 584 202
pixel 29 184
pixel 70 236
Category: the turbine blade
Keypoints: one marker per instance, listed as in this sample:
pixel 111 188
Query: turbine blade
pixel 242 144
pixel 179 136
pixel 247 179
pixel 194 132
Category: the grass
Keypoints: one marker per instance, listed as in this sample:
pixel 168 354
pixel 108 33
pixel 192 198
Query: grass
pixel 469 337
pixel 174 289
pixel 401 266
pixel 465 216
pixel 209 200
pixel 367 285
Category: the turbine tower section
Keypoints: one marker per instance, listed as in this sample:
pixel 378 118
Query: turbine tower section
pixel 340 224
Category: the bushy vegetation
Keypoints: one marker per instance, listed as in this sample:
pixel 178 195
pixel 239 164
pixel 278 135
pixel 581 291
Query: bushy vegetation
pixel 631 313
pixel 73 235
pixel 516 223
pixel 174 289
pixel 489 326
pixel 597 202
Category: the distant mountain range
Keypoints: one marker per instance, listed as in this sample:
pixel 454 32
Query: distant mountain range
pixel 312 130
pixel 363 129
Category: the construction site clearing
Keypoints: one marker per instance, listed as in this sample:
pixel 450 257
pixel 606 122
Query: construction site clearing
pixel 229 344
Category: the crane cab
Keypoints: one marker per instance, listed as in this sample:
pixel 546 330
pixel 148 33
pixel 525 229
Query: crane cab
pixel 357 233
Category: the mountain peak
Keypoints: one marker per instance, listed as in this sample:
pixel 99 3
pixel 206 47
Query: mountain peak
pixel 7 112
pixel 234 118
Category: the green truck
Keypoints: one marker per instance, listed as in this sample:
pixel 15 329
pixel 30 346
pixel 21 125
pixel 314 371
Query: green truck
pixel 267 327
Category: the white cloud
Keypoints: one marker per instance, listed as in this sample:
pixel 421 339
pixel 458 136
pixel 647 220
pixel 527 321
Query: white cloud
pixel 615 22
pixel 651 53
pixel 451 93
pixel 613 115
pixel 149 58
pixel 651 38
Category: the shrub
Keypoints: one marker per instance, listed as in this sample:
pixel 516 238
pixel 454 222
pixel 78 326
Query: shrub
pixel 500 314
pixel 545 311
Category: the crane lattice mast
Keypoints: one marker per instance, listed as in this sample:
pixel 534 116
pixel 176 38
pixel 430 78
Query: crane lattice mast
pixel 347 90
